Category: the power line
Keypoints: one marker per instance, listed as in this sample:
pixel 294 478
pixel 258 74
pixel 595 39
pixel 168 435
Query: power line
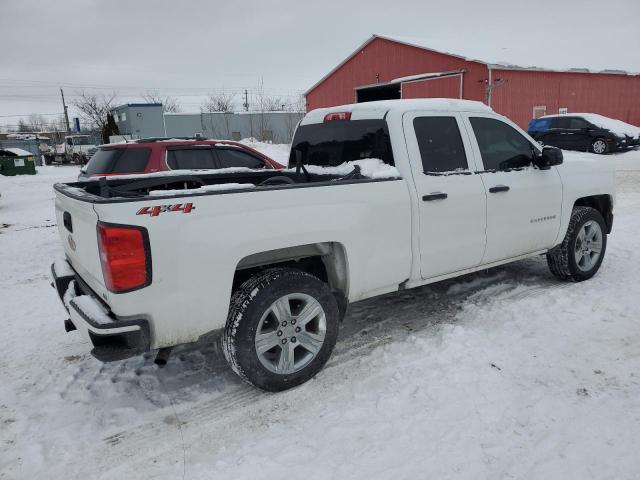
pixel 28 114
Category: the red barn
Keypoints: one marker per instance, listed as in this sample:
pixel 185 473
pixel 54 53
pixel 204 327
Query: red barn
pixel 388 68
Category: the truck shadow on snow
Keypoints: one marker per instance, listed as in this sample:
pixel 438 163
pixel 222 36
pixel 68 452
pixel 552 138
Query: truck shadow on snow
pixel 201 368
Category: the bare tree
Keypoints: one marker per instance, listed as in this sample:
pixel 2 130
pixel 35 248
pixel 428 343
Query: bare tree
pixel 169 104
pixel 296 110
pixel 36 123
pixel 94 108
pixel 271 104
pixel 57 124
pixel 220 102
pixel 22 126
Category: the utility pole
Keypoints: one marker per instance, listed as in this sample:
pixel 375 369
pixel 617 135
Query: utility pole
pixel 246 101
pixel 66 113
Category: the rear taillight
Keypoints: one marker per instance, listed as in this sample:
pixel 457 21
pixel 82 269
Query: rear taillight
pixel 331 117
pixel 125 257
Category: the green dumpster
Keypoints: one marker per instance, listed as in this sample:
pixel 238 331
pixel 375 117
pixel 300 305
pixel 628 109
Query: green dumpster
pixel 15 161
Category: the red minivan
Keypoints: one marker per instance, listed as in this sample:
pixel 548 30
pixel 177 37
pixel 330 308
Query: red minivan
pixel 158 155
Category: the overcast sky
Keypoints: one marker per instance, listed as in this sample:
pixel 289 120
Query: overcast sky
pixel 189 48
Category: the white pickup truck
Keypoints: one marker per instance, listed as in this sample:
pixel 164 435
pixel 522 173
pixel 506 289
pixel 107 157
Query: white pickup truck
pixel 381 197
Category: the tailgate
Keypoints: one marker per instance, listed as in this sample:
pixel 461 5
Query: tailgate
pixel 77 222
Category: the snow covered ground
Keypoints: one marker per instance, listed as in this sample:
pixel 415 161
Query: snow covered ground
pixel 504 374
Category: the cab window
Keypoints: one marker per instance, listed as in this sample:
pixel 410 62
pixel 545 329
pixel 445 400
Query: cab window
pixel 502 147
pixel 440 143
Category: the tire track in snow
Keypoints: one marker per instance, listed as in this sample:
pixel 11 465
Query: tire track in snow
pixel 369 324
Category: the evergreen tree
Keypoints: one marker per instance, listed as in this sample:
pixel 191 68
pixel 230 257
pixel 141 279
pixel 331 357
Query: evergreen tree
pixel 110 128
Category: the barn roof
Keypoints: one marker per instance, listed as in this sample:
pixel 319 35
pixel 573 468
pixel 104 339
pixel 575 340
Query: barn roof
pixel 472 53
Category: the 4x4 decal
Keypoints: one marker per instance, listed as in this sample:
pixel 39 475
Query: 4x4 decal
pixel 158 209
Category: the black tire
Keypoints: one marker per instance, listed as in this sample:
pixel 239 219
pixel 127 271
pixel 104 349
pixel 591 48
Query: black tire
pixel 248 305
pixel 561 259
pixel 594 146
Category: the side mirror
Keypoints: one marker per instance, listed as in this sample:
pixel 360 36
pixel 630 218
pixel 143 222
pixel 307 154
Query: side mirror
pixel 549 157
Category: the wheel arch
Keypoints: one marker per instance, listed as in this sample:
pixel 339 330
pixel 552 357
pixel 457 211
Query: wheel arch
pixel 326 260
pixel 601 203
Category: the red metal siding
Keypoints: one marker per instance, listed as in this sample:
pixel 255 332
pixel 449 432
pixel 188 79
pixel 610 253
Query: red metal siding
pixel 381 60
pixel 447 87
pixel 390 60
pixel 616 96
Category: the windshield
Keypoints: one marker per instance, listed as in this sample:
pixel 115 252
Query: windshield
pixel 332 143
pixel 81 141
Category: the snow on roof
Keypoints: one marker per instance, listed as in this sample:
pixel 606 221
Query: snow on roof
pixel 136 105
pixel 27 136
pixel 377 109
pixel 483 53
pixel 476 52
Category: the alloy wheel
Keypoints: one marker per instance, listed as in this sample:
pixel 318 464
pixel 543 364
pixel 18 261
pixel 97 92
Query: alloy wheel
pixel 588 246
pixel 290 333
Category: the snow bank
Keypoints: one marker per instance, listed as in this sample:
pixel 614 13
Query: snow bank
pixel 276 151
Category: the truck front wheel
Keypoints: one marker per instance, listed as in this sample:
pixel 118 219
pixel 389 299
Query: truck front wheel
pixel 580 254
pixel 281 329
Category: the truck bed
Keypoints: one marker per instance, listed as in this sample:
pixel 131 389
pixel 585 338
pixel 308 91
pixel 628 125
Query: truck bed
pixel 203 227
pixel 176 183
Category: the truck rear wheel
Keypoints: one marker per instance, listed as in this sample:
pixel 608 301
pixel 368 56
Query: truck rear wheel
pixel 281 329
pixel 580 254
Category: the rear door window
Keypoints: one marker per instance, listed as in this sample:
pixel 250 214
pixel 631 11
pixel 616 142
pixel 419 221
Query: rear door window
pixel 234 157
pixel 502 147
pixel 193 158
pixel 118 160
pixel 440 143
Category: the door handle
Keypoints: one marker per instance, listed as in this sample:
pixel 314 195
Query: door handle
pixel 499 188
pixel 434 196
